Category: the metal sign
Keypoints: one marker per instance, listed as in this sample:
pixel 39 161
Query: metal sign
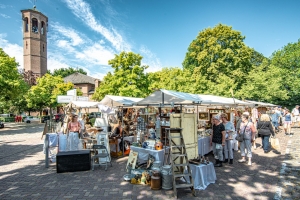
pixel 64 98
pixel 81 98
pixel 72 92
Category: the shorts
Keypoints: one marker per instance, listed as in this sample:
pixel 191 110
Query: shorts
pixel 288 122
pixel 296 118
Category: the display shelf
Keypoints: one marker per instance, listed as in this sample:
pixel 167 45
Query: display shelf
pixel 148 114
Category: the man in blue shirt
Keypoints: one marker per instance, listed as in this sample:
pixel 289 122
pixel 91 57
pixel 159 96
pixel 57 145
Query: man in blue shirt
pixel 275 118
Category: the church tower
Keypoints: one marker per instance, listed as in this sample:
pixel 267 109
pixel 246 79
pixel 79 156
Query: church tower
pixel 35 25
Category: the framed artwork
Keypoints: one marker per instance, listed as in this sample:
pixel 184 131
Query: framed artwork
pixel 203 116
pixel 132 160
pixel 189 110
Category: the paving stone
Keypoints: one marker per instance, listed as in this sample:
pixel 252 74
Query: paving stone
pixel 23 174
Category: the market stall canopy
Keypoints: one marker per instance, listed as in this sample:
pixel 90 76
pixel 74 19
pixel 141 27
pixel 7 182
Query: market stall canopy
pixel 168 97
pixel 218 100
pixel 115 101
pixel 261 104
pixel 84 104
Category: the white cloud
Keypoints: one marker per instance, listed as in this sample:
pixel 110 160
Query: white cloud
pixel 64 44
pixel 98 75
pixel 150 59
pixel 56 62
pixel 83 11
pixel 69 33
pixel 4 16
pixel 13 50
pixel 96 54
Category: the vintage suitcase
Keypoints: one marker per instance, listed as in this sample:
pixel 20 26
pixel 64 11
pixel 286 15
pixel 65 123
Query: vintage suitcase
pixel 72 161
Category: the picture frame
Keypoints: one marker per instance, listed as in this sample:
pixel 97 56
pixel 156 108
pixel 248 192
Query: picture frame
pixel 203 116
pixel 132 159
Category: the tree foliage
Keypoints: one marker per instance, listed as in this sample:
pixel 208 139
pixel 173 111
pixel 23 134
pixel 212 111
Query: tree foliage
pixel 170 79
pixel 11 82
pixel 220 60
pixel 128 77
pixel 64 72
pixel 264 84
pixel 44 94
pixel 288 60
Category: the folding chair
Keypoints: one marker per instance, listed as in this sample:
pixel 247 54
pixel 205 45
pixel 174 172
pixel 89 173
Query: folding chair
pixel 100 152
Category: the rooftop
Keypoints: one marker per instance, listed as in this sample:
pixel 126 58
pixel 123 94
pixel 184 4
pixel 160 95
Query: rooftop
pixel 78 78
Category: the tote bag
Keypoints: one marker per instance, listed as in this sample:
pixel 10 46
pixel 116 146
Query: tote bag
pixel 275 143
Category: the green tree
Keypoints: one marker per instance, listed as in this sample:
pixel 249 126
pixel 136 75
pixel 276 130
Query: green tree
pixel 64 72
pixel 11 82
pixel 44 94
pixel 288 60
pixel 170 79
pixel 264 84
pixel 128 77
pixel 220 60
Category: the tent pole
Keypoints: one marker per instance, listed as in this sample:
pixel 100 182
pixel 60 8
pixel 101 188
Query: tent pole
pixel 197 117
pixel 162 98
pixel 122 134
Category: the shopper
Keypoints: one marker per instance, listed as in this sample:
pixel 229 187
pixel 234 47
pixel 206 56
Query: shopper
pixel 217 140
pixel 248 131
pixel 74 125
pixel 229 130
pixel 287 122
pixel 295 114
pixel 117 129
pixel 275 118
pixel 238 119
pixel 265 130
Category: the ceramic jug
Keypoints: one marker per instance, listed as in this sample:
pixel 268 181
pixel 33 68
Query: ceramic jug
pixel 155 180
pixel 158 145
pixel 145 144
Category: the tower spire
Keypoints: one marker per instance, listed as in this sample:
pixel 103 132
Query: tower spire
pixel 34 4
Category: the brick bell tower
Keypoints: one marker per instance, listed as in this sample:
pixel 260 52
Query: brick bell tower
pixel 35 25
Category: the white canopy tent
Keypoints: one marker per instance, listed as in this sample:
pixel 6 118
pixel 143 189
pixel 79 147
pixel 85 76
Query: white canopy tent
pixel 261 104
pixel 116 101
pixel 169 97
pixel 84 104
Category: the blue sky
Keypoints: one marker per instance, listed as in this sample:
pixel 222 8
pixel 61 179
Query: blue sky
pixel 88 33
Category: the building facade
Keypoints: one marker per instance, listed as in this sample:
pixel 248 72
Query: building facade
pixel 35 26
pixel 86 84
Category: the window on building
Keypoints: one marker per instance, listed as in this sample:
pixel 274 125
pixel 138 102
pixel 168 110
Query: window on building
pixel 35 26
pixel 43 28
pixel 26 24
pixel 26 44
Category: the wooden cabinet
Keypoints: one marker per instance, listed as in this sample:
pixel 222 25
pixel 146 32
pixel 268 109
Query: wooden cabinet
pixel 188 123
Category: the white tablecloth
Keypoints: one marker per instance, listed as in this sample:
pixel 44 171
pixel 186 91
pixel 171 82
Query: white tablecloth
pixel 204 145
pixel 113 146
pixel 144 153
pixel 203 175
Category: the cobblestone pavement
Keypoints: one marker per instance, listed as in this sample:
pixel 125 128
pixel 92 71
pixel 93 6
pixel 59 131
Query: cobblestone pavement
pixel 23 174
pixel 289 179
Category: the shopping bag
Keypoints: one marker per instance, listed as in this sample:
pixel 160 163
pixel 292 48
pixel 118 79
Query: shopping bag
pixel 275 143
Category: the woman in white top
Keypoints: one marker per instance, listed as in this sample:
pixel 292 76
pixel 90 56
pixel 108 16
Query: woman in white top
pixel 248 131
pixel 229 130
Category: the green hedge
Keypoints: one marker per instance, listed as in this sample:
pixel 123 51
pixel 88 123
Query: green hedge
pixel 7 119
